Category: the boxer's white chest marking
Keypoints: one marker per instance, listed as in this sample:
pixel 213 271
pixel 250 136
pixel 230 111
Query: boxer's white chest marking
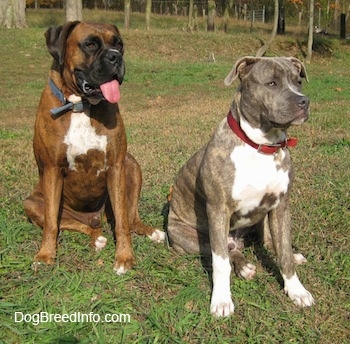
pixel 256 175
pixel 81 137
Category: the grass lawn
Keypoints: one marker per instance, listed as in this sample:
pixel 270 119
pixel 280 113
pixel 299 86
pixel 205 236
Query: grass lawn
pixel 172 100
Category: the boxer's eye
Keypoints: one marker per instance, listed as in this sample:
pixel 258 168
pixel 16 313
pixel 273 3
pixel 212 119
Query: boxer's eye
pixel 118 44
pixel 91 45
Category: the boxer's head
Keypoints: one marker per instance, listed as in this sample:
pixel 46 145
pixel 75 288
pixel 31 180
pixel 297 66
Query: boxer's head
pixel 90 57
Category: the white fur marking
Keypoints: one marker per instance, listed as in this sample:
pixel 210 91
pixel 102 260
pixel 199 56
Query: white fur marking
pixel 255 175
pixel 221 302
pixel 81 137
pixel 157 236
pixel 121 270
pixel 248 271
pixel 296 291
pixel 259 137
pixel 299 259
pixel 100 243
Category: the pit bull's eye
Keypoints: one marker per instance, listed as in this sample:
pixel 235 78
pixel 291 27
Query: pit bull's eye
pixel 272 84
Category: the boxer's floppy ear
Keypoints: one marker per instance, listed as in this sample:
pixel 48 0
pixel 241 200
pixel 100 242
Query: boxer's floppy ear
pixel 56 38
pixel 300 66
pixel 241 68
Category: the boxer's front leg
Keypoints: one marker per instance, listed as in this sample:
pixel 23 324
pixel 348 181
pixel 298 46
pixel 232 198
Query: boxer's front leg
pixel 219 222
pixel 116 184
pixel 52 184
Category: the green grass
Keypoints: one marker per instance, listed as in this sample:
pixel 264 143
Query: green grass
pixel 172 100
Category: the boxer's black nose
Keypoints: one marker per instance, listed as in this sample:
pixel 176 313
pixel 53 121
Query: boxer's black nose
pixel 113 56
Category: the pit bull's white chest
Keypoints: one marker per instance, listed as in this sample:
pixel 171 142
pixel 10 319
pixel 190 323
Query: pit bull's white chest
pixel 256 175
pixel 81 138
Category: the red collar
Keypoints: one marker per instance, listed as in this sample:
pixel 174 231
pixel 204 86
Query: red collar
pixel 266 149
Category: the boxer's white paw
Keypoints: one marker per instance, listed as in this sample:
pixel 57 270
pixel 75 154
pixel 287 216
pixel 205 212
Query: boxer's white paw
pixel 121 270
pixel 248 271
pixel 222 307
pixel 299 259
pixel 296 292
pixel 157 236
pixel 35 266
pixel 100 243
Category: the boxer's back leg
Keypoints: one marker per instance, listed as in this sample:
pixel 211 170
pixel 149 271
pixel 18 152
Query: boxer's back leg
pixel 34 207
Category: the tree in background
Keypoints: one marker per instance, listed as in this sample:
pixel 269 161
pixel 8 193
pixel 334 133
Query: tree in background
pixel 281 27
pixel 211 15
pixel 148 13
pixel 12 14
pixel 74 10
pixel 190 16
pixel 311 32
pixel 127 10
pixel 263 49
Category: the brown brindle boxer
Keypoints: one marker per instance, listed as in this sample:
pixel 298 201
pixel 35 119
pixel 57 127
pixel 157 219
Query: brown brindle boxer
pixel 85 172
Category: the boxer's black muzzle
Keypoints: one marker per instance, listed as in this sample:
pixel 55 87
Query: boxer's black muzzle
pixel 108 66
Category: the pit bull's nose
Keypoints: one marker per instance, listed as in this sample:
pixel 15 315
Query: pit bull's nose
pixel 303 102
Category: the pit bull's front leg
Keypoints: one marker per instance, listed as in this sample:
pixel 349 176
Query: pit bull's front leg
pixel 280 227
pixel 219 224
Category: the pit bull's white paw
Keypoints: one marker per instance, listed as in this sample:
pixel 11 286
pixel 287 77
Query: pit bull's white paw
pixel 157 236
pixel 296 292
pixel 222 307
pixel 248 271
pixel 100 243
pixel 221 303
pixel 299 259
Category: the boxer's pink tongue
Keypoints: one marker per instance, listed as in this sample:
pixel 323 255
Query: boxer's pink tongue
pixel 111 91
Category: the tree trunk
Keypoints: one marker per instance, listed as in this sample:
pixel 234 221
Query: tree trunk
pixel 12 14
pixel 311 32
pixel 226 14
pixel 148 13
pixel 190 16
pixel 211 15
pixel 263 49
pixel 74 10
pixel 127 14
pixel 281 28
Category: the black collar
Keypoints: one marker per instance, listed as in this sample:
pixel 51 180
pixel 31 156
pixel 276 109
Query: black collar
pixel 67 105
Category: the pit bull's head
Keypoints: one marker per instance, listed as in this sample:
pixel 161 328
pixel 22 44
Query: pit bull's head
pixel 270 91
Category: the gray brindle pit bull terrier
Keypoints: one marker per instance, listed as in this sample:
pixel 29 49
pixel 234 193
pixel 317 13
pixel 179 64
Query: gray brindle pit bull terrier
pixel 241 179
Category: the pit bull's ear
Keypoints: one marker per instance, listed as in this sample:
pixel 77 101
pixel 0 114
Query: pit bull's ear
pixel 56 38
pixel 300 66
pixel 240 68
